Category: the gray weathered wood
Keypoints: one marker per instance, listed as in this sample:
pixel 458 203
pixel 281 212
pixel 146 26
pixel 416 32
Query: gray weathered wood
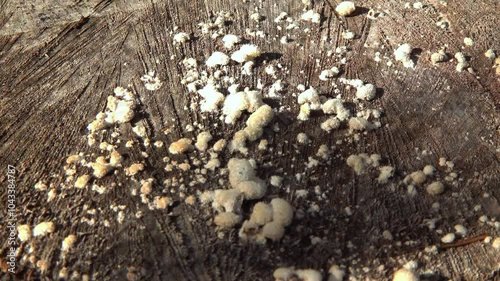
pixel 59 60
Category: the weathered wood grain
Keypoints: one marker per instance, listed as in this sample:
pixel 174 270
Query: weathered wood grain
pixel 59 60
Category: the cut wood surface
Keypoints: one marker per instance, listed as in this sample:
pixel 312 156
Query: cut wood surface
pixel 60 60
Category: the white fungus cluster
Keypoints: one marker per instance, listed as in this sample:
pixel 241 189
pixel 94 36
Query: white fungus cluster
pixel 238 102
pixel 366 92
pixel 212 98
pixel 119 109
pixel 330 124
pixel 82 181
pixel 348 35
pixel 362 124
pixel 202 140
pixel 215 28
pixel 468 41
pixel 68 243
pixel 181 37
pixel 282 16
pixel 403 53
pixel 439 56
pixel 336 273
pixel 217 58
pixel 267 221
pixel 290 274
pixel 363 91
pixel 302 138
pixel 328 74
pixel 181 146
pixel 311 16
pixel 304 112
pixel 151 81
pixel 345 8
pixel 103 166
pixel 245 185
pixel 336 107
pixel 360 162
pixel 254 128
pixel 405 274
pixel 490 54
pixel 275 90
pixel 461 62
pixel 44 228
pixel 309 100
pixel 246 53
pixel 386 172
pixel 435 188
pixel 24 232
pixel 230 40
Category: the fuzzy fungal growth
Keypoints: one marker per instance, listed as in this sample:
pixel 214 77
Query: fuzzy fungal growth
pixel 366 92
pixel 330 124
pixel 212 98
pixel 119 110
pixel 230 40
pixel 417 177
pixel 448 238
pixel 311 16
pixel 245 185
pixel 490 54
pixel 361 124
pixel 304 112
pixel 180 146
pixel 311 97
pixel 100 167
pixel 267 221
pixel 282 211
pixel 336 107
pixel 181 37
pixel 151 81
pixel 68 243
pixel 246 53
pixel 438 57
pixel 435 188
pixel 496 243
pixel 273 231
pixel 227 220
pixel 291 274
pixel 403 53
pixel 24 232
pixel 328 74
pixel 345 8
pixel 238 102
pixel 262 213
pixel 254 129
pixel 82 181
pixel 227 200
pixel 462 63
pixel 363 91
pixel 134 169
pixel 360 162
pixel 461 230
pixel 336 273
pixel 404 274
pixel 386 172
pixel 429 170
pixel 240 170
pixel 44 228
pixel 202 140
pixel 216 59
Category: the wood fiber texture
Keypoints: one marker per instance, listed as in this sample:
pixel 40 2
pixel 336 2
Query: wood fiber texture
pixel 59 60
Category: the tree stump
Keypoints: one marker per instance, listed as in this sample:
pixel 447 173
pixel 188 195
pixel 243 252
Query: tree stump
pixel 60 60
